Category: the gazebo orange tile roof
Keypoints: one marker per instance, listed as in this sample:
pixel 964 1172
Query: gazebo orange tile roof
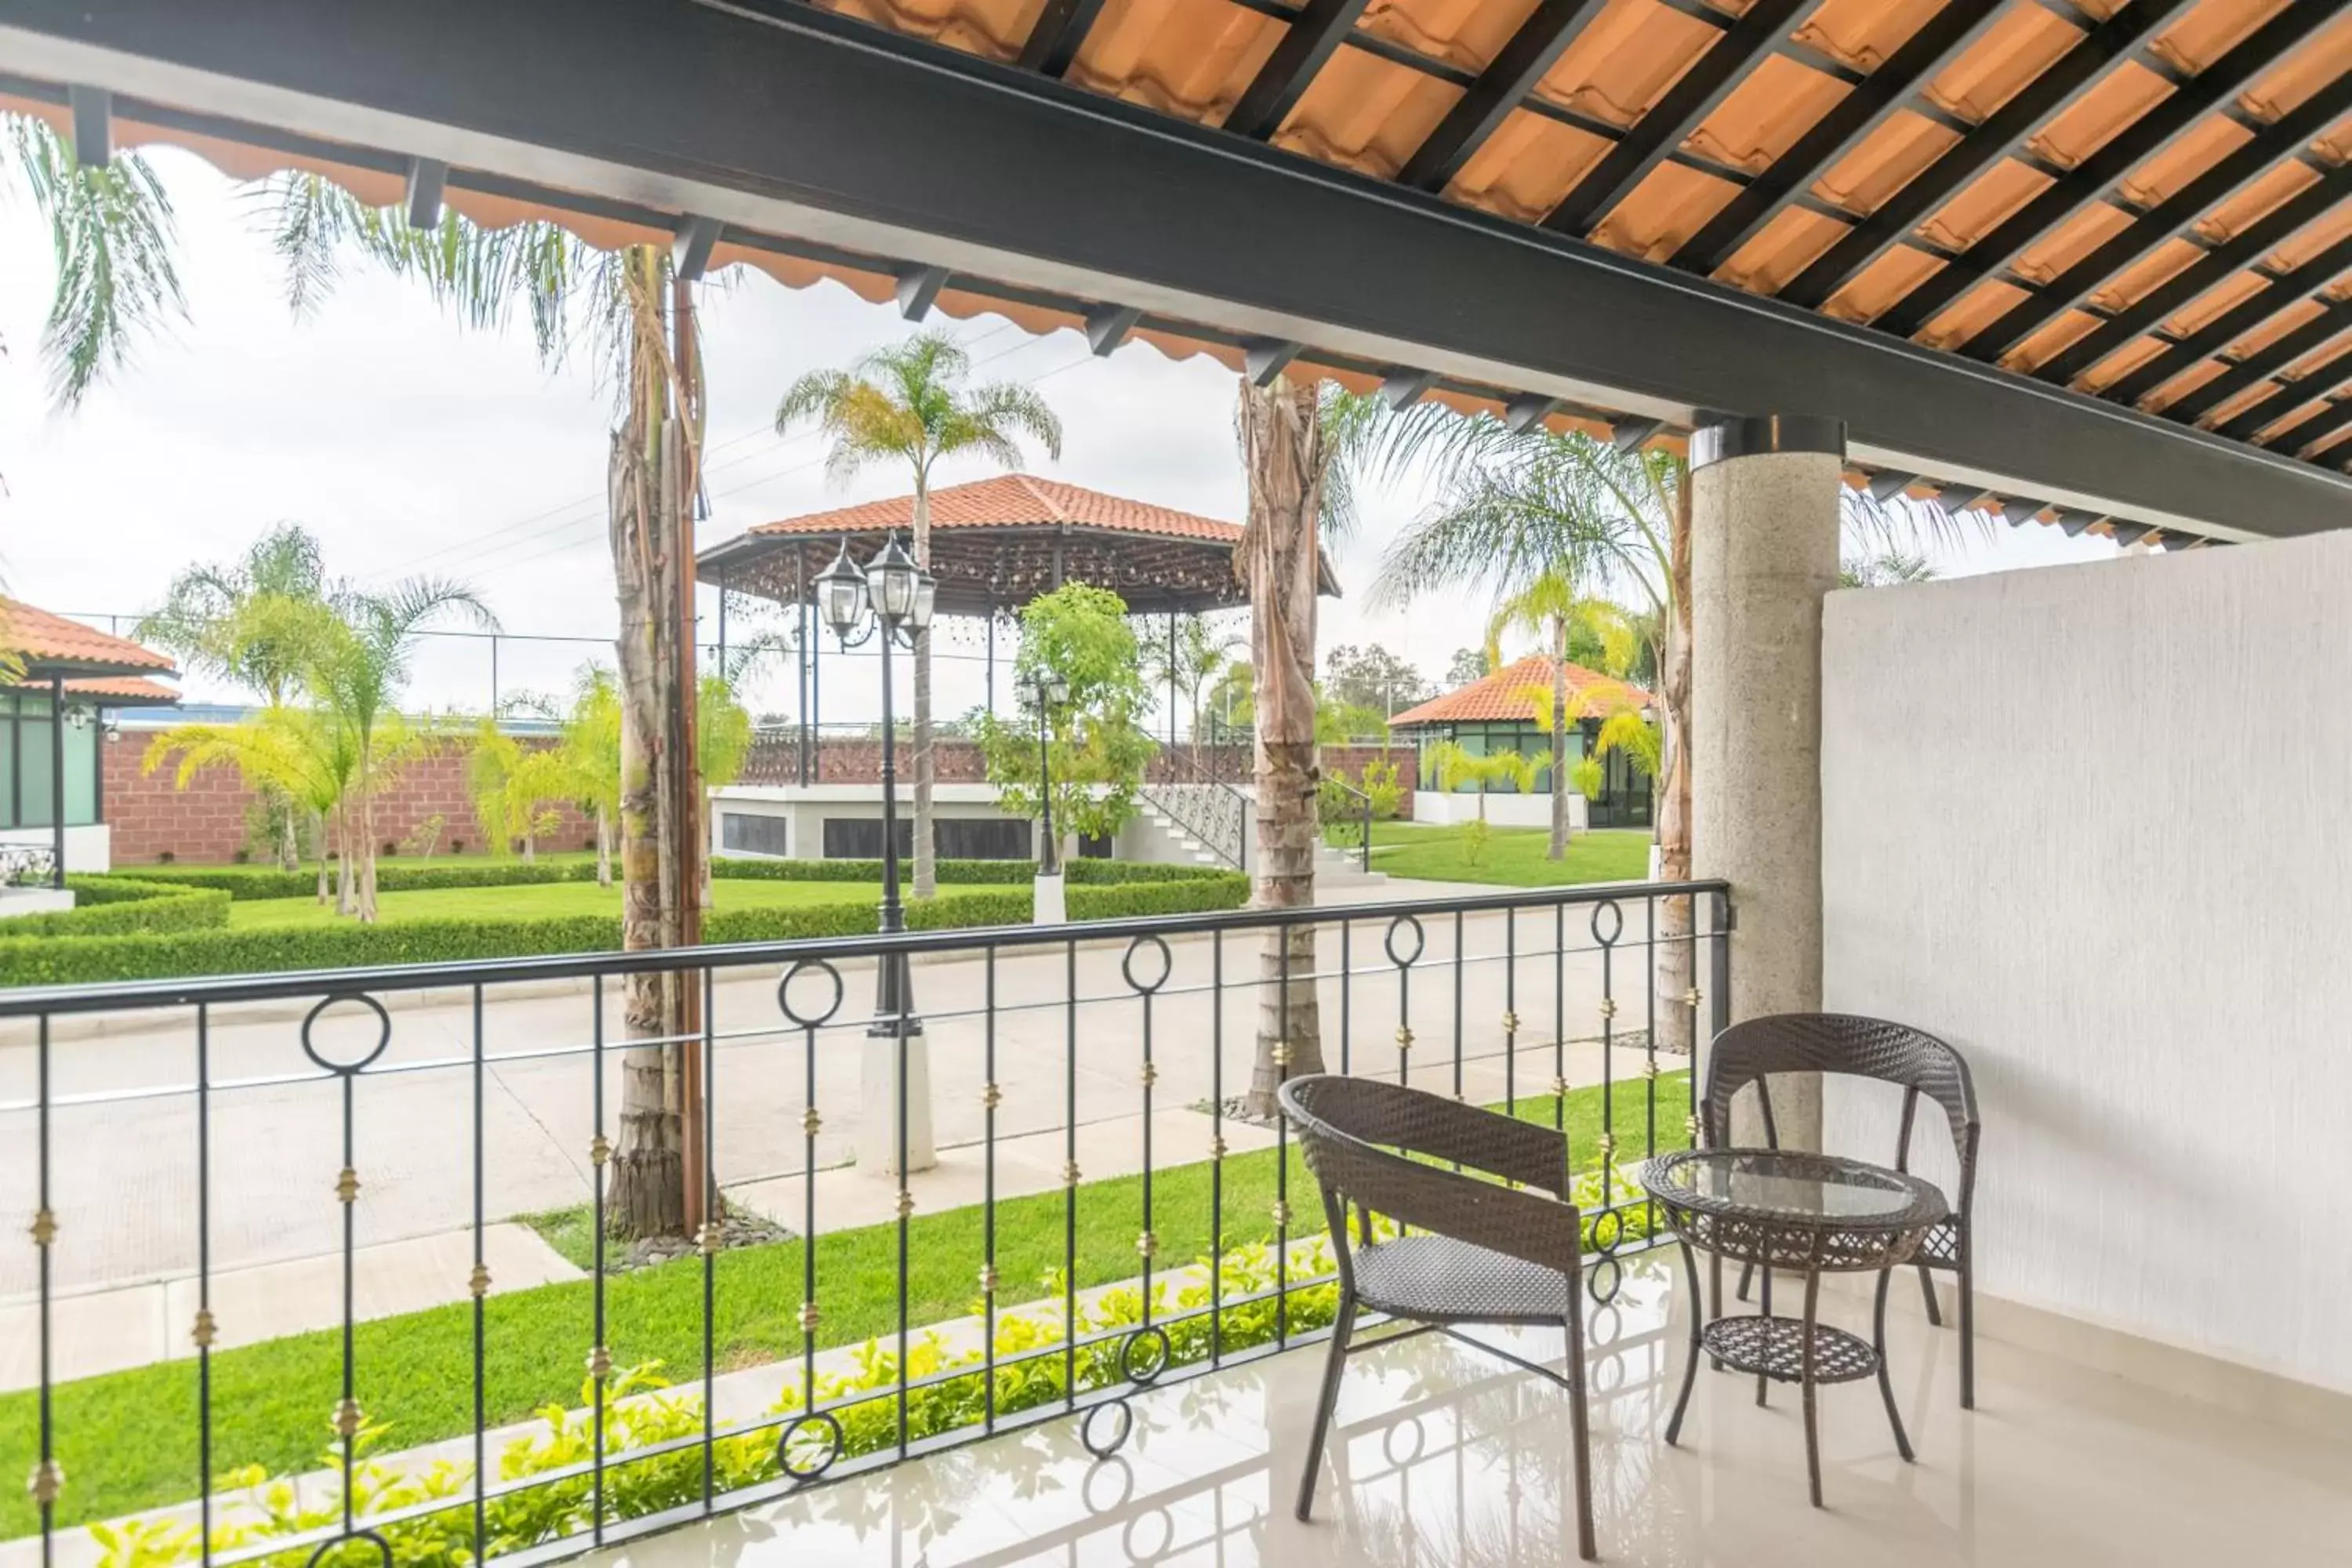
pixel 1498 697
pixel 1013 501
pixel 124 689
pixel 50 644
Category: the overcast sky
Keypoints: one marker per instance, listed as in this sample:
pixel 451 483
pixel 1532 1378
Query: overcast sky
pixel 410 445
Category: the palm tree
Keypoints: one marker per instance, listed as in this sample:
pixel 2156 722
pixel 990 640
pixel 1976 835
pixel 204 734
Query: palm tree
pixel 249 623
pixel 1884 567
pixel 1553 604
pixel 635 316
pixel 359 663
pixel 303 756
pixel 907 403
pixel 111 232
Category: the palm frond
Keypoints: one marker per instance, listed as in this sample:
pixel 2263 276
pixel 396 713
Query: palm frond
pixel 112 235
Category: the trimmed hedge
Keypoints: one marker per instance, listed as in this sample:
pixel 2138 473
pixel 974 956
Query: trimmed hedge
pixel 103 907
pixel 242 882
pixel 81 959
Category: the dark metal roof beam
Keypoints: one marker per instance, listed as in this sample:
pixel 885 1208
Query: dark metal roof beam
pixel 1886 484
pixel 1263 359
pixel 2175 213
pixel 2234 324
pixel 1060 32
pixel 2310 429
pixel 422 199
pixel 1107 328
pixel 1627 435
pixel 1937 43
pixel 1322 26
pixel 2288 396
pixel 2268 360
pixel 2093 179
pixel 2273 228
pixel 2027 110
pixel 918 287
pixel 1401 387
pixel 1687 103
pixel 1512 75
pixel 1527 411
pixel 93 126
pixel 690 245
pixel 782 118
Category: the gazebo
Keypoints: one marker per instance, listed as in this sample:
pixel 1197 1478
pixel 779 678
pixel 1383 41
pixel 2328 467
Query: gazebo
pixel 996 544
pixel 56 667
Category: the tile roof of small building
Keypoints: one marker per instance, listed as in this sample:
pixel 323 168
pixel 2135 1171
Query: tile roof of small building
pixel 1500 696
pixel 47 643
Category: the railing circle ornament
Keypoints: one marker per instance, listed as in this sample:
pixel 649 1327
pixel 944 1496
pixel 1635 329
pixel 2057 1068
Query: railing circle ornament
pixel 1607 1241
pixel 1146 944
pixel 1420 941
pixel 1102 1445
pixel 804 1458
pixel 383 1547
pixel 1145 1355
pixel 1602 1296
pixel 784 992
pixel 1136 1553
pixel 346 1069
pixel 1420 1443
pixel 1606 932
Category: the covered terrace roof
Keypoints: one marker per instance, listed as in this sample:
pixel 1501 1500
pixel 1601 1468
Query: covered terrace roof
pixel 997 543
pixel 46 646
pixel 2080 260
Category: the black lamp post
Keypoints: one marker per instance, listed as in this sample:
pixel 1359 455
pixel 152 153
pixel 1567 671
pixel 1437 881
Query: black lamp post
pixel 891 599
pixel 1052 692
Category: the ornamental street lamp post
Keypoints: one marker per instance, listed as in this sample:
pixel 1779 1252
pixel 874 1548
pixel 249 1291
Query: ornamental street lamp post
pixel 1050 905
pixel 889 601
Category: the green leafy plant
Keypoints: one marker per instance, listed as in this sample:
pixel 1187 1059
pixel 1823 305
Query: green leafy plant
pixel 1096 749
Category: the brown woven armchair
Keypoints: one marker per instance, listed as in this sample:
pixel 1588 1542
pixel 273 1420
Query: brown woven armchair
pixel 1478 1252
pixel 1917 1062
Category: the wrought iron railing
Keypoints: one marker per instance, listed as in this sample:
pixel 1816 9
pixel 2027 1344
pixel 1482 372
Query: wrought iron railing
pixel 1211 809
pixel 308 1107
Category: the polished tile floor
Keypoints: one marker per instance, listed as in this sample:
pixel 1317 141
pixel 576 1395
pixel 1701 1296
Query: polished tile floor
pixel 1451 1458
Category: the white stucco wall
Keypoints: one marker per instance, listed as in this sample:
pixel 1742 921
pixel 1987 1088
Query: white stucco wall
pixel 2094 824
pixel 89 848
pixel 1440 809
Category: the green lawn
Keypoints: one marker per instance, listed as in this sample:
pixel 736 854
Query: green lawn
pixel 534 900
pixel 1513 857
pixel 127 1440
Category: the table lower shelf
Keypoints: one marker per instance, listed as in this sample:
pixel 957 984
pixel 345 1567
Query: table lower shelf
pixel 1774 1347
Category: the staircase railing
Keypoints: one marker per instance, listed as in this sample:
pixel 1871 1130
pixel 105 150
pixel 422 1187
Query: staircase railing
pixel 1203 806
pixel 1356 816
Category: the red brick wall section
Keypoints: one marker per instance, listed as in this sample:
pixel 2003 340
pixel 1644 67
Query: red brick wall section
pixel 213 818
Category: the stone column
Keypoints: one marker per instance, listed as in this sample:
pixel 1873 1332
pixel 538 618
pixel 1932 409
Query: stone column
pixel 1764 552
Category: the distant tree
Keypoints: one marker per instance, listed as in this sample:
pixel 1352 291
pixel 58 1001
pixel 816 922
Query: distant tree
pixel 1202 656
pixel 1096 742
pixel 1371 677
pixel 300 756
pixel 1883 568
pixel 512 787
pixel 1468 664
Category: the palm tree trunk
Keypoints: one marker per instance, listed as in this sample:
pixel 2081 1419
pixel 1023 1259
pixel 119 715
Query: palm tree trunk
pixel 346 882
pixel 927 871
pixel 1678 963
pixel 366 847
pixel 318 845
pixel 604 846
pixel 1277 558
pixel 646 1193
pixel 1557 848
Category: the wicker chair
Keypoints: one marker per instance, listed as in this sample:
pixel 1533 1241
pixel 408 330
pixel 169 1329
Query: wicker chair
pixel 1478 1252
pixel 1921 1064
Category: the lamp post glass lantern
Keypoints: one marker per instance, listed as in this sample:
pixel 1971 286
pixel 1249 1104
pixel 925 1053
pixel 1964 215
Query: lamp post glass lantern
pixel 890 601
pixel 1053 691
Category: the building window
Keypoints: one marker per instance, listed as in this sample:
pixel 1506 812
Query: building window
pixel 860 839
pixel 28 784
pixel 754 834
pixel 982 838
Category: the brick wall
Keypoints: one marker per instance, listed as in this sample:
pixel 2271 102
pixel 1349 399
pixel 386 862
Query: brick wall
pixel 775 760
pixel 214 817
